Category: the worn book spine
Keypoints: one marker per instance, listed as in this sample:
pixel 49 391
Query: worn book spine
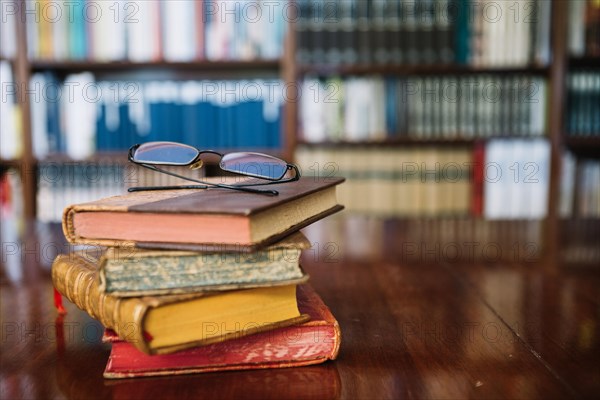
pixel 131 272
pixel 77 280
pixel 310 343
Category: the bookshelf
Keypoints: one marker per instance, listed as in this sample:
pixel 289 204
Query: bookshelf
pixel 291 72
pixel 24 66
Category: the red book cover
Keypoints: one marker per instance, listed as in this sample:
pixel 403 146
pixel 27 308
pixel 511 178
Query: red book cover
pixel 478 177
pixel 310 343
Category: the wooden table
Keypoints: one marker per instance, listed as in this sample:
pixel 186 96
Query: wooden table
pixel 417 322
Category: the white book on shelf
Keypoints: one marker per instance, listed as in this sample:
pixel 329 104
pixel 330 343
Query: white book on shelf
pixel 39 116
pixel 536 175
pixel 516 157
pixel 543 52
pixel 10 132
pixel 179 30
pixel 79 118
pixel 254 36
pixel 538 107
pixel 356 113
pixel 332 107
pixel 476 41
pixel 377 128
pixel 272 25
pixel 219 32
pixel 311 111
pixel 489 49
pixel 8 30
pixel 576 34
pixel 524 23
pixel 495 189
pixel 567 185
pixel 107 31
pixel 143 38
pixel 59 23
pixel 32 28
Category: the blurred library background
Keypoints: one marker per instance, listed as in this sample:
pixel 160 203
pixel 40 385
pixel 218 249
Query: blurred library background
pixel 459 119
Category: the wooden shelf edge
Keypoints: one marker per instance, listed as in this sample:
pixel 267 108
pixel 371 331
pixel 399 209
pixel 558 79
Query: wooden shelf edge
pixel 119 66
pixel 584 62
pixel 15 163
pixel 583 146
pixel 401 141
pixel 417 70
pixel 120 157
pixel 106 157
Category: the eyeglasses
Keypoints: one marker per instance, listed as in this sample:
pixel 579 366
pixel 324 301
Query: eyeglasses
pixel 257 165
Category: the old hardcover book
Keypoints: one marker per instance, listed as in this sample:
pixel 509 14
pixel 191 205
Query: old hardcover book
pixel 132 272
pixel 201 219
pixel 165 324
pixel 310 343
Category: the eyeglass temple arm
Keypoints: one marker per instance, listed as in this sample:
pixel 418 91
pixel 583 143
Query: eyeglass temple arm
pixel 207 184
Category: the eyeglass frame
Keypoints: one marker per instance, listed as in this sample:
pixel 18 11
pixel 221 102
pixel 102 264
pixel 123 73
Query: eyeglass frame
pixel 205 185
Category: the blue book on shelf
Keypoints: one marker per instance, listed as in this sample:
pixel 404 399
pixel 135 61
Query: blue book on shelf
pixel 254 129
pixel 462 32
pixel 128 129
pixel 191 125
pixel 155 123
pixel 391 115
pixel 101 134
pixel 228 127
pixel 172 124
pixel 77 31
pixel 52 96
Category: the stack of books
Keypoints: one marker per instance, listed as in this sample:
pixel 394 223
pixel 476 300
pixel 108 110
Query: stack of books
pixel 200 280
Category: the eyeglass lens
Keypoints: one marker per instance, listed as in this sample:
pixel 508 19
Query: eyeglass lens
pixel 254 164
pixel 165 153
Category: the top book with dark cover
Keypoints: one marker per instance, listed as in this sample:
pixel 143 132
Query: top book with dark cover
pixel 210 219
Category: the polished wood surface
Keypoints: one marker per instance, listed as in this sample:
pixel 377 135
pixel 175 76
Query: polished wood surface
pixel 417 321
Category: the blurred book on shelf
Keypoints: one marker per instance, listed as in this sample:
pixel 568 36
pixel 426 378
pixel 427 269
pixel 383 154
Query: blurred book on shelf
pixel 79 116
pixel 13 223
pixel 435 107
pixel 493 34
pixel 8 31
pixel 580 187
pixel 61 184
pixel 579 242
pixel 516 179
pixel 584 28
pixel 501 179
pixel 583 103
pixel 150 31
pixel 11 141
pixel 589 188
